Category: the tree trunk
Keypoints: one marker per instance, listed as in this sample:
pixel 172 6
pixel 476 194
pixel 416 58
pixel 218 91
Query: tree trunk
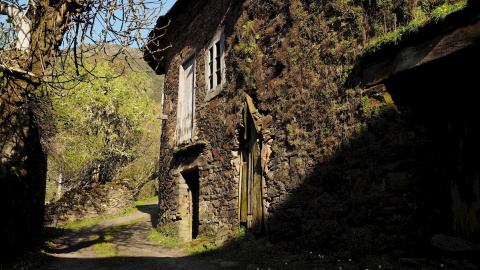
pixel 23 164
pixel 22 168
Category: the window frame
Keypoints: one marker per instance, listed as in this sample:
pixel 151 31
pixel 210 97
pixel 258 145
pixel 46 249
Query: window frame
pixel 213 74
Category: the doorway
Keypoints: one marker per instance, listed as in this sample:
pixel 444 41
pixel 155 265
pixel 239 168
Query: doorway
pixel 192 203
pixel 251 184
pixel 438 99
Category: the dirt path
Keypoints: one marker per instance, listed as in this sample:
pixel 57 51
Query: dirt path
pixel 131 243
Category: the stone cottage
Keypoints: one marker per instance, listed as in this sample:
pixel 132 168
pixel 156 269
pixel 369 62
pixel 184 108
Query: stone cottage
pixel 282 117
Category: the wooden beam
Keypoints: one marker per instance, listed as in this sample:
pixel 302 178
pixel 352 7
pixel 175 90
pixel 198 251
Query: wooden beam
pixel 254 113
pixel 416 54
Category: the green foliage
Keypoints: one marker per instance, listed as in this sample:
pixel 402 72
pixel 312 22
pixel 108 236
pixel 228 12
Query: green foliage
pixel 100 119
pixel 423 13
pixel 166 235
pixel 246 53
pixel 365 105
pixel 442 11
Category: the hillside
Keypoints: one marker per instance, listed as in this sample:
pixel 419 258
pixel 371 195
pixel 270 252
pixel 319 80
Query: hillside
pixel 106 147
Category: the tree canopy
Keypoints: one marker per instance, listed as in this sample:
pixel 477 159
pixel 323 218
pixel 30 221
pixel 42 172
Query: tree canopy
pixel 100 122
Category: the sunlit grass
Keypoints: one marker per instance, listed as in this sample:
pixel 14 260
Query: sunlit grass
pixel 105 249
pixel 146 201
pixel 104 246
pixel 126 211
pixel 436 15
pixel 163 239
pixel 92 221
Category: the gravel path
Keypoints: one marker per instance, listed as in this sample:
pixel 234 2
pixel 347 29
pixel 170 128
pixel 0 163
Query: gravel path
pixel 135 251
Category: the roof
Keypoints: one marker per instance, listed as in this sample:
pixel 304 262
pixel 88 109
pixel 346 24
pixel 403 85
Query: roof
pixel 179 15
pixel 458 31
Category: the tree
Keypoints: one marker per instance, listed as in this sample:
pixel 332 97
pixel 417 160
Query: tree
pixel 100 123
pixel 36 38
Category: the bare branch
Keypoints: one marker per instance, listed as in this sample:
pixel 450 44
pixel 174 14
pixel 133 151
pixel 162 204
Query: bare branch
pixel 18 71
pixel 23 26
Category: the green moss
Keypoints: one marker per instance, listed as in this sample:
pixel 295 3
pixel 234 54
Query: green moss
pixel 442 11
pixel 165 235
pixel 88 222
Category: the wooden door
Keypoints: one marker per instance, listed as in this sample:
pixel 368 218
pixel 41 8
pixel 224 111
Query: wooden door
pixel 186 101
pixel 251 198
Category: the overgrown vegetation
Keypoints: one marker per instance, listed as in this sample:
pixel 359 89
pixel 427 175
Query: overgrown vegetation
pixel 422 14
pixel 296 60
pixel 306 49
pixel 103 122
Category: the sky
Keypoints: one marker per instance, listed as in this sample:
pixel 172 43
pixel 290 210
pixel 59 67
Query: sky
pixel 168 5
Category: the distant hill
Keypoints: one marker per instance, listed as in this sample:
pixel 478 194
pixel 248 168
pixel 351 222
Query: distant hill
pixel 129 56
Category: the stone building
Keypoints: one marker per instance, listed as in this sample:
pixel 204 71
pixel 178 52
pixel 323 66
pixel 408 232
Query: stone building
pixel 263 130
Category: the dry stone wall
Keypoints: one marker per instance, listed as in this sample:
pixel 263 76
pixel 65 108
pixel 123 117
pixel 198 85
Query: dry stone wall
pixel 211 155
pixel 345 167
pixel 80 204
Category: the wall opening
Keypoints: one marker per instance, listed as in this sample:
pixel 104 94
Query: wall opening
pixel 192 203
pixel 438 99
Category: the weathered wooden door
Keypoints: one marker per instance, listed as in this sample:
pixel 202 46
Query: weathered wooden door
pixel 186 101
pixel 251 199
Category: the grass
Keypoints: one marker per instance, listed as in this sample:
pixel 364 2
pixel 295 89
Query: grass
pixel 33 257
pixel 104 246
pixel 246 251
pixel 436 15
pixel 146 201
pixel 105 249
pixel 163 239
pixel 243 251
pixel 92 221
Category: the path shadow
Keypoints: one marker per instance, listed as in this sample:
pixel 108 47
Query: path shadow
pixel 152 210
pixel 72 241
pixel 126 263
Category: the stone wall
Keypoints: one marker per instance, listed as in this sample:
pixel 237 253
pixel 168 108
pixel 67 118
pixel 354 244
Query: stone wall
pixel 211 154
pixel 86 203
pixel 345 167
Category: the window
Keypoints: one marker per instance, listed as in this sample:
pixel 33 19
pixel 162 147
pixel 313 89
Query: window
pixel 215 66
